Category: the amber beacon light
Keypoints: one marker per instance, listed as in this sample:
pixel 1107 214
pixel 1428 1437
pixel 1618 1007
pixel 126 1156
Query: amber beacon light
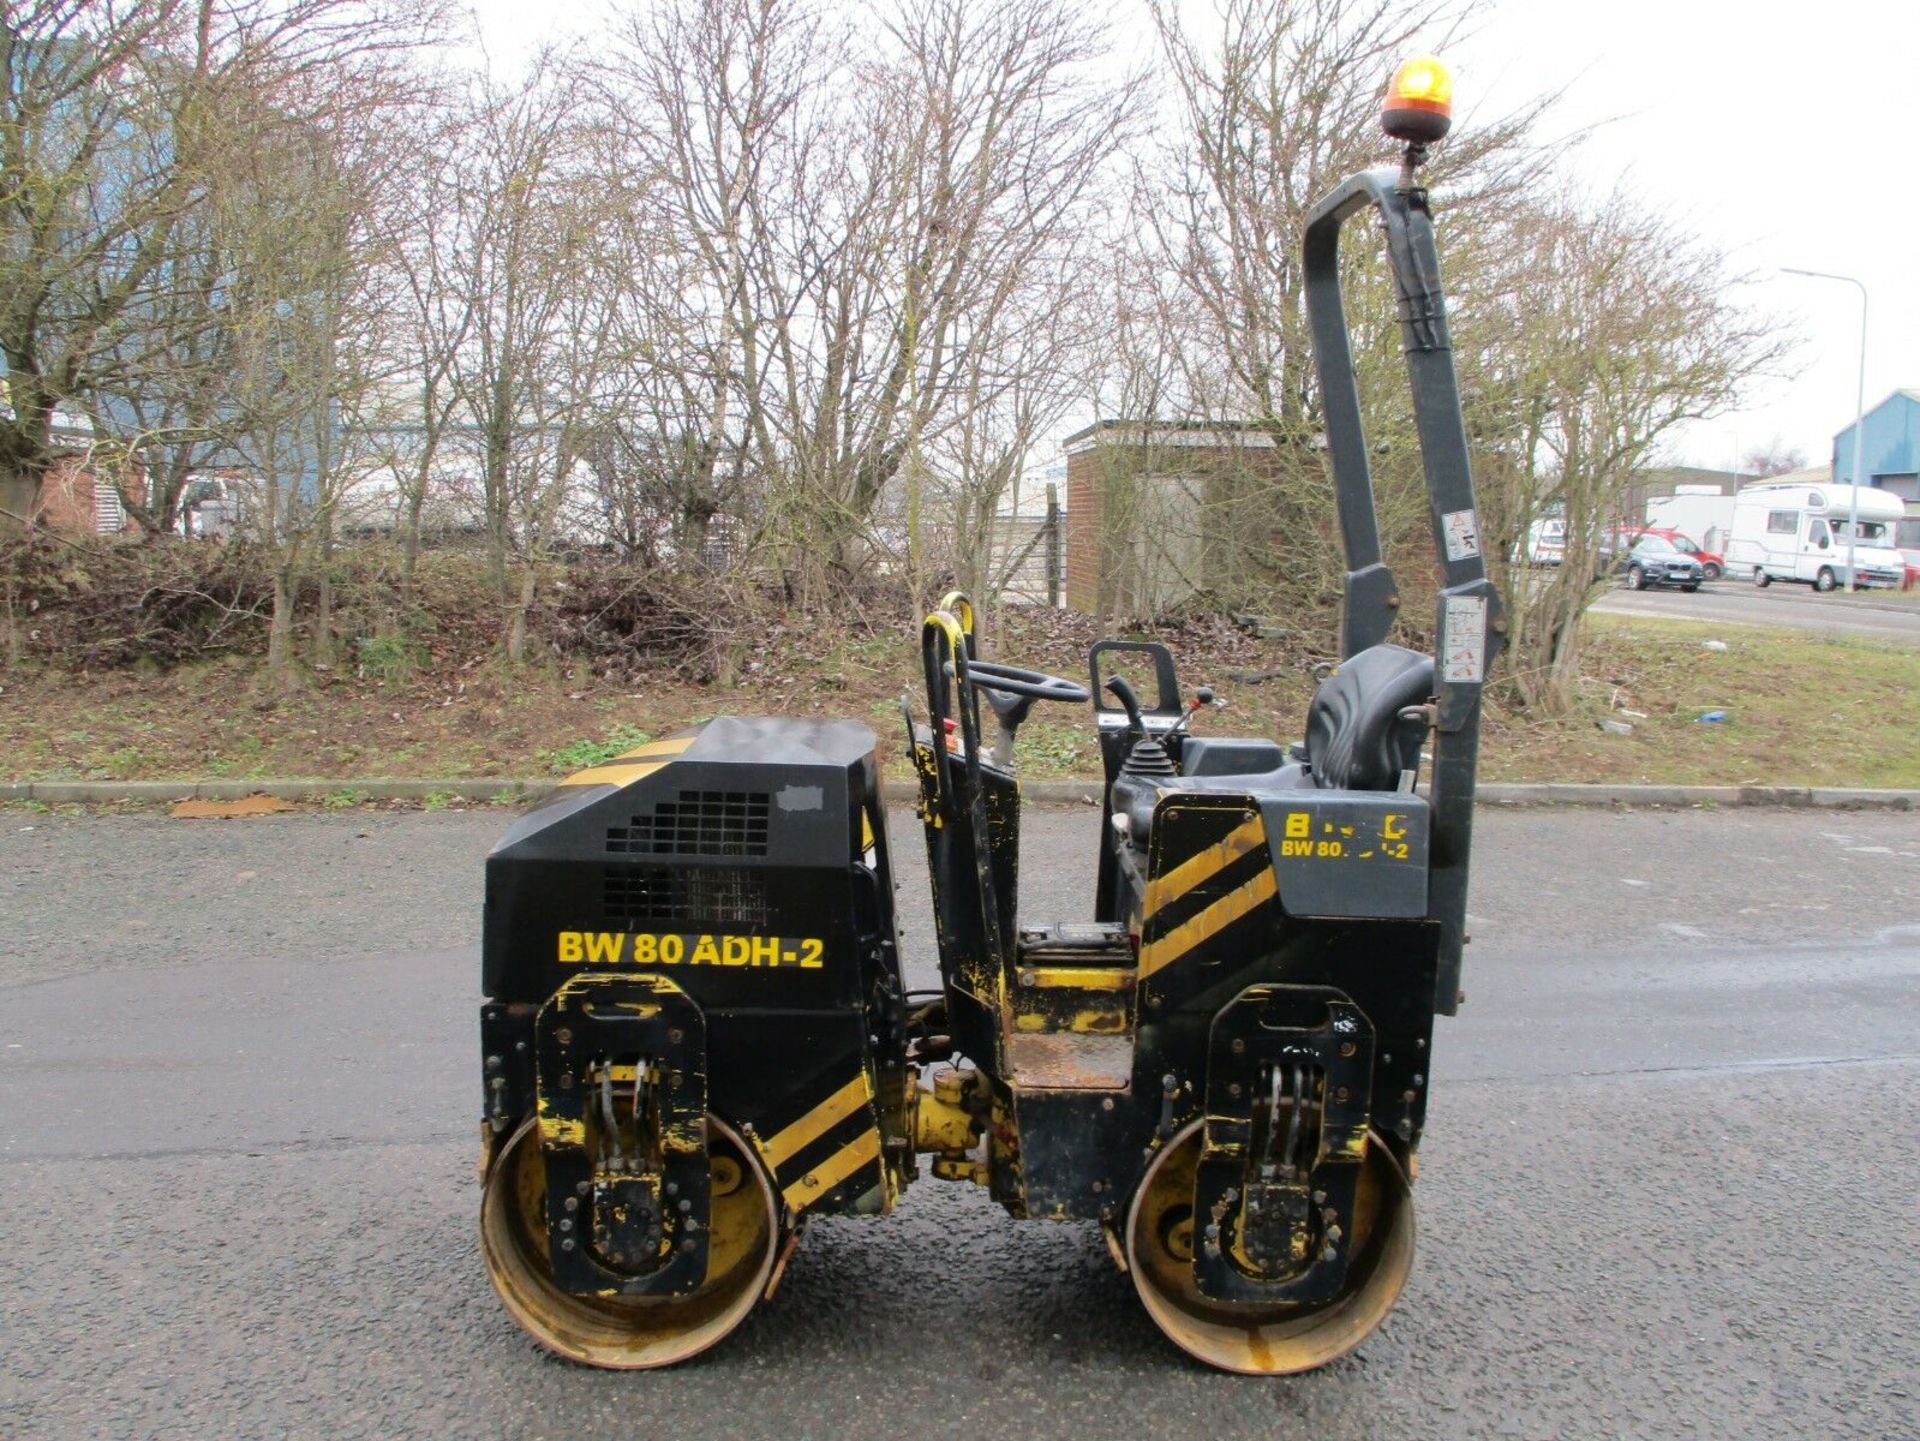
pixel 1419 103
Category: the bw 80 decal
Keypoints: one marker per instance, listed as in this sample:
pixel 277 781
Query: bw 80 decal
pixel 1343 842
pixel 641 948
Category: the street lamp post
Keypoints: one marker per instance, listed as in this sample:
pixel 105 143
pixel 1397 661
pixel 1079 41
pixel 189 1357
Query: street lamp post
pixel 1859 414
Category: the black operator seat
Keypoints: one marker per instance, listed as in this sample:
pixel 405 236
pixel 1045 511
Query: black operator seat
pixel 1362 735
pixel 1357 737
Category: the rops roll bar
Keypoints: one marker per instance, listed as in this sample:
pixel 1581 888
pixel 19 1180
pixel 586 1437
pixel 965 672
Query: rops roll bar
pixel 1468 626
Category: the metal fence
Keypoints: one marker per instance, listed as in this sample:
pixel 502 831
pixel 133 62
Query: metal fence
pixel 1027 555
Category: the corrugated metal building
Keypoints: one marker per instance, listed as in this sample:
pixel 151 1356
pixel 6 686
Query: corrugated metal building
pixel 1890 454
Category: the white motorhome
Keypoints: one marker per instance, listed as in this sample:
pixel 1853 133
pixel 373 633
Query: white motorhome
pixel 1799 532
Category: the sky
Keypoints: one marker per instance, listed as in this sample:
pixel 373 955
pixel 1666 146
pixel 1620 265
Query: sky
pixel 1774 132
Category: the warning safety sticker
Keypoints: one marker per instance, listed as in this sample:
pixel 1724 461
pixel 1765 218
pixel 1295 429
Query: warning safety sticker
pixel 1462 531
pixel 1464 657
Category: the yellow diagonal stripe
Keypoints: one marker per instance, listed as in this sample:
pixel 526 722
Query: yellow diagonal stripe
pixel 1081 978
pixel 614 773
pixel 842 1164
pixel 1207 923
pixel 1209 861
pixel 671 747
pixel 817 1122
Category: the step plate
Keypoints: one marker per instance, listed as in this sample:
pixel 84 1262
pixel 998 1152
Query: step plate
pixel 1063 1061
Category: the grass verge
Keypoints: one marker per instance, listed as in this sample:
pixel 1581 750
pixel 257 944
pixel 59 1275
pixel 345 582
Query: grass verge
pixel 1798 710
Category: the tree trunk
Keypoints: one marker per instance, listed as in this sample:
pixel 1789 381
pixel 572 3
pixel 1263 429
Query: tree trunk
pixel 497 578
pixel 280 630
pixel 323 647
pixel 695 524
pixel 410 546
pixel 12 628
pixel 517 625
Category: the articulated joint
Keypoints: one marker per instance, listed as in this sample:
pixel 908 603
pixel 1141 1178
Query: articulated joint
pixel 946 1122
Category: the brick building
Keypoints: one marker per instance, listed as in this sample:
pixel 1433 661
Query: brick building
pixel 77 501
pixel 72 497
pixel 1157 511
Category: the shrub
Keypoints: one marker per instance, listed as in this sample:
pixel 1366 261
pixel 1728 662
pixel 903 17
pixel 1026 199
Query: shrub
pixel 390 657
pixel 583 755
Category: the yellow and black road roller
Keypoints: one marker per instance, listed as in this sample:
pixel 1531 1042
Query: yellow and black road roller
pixel 696 1034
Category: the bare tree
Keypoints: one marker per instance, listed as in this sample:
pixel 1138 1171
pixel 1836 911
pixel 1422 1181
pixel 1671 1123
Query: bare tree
pixel 1274 110
pixel 1776 457
pixel 1587 331
pixel 542 291
pixel 1013 396
pixel 1283 107
pixel 114 124
pixel 295 212
pixel 431 316
pixel 158 407
pixel 1602 331
pixel 665 459
pixel 864 230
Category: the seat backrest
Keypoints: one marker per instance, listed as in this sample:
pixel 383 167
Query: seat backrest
pixel 1356 739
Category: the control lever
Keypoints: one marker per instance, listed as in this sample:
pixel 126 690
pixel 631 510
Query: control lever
pixel 1201 698
pixel 1145 755
pixel 1130 703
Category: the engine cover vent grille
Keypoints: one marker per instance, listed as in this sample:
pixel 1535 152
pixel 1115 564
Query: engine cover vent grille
pixel 697 823
pixel 690 898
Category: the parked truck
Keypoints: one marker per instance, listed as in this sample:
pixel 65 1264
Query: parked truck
pixel 1705 517
pixel 1799 532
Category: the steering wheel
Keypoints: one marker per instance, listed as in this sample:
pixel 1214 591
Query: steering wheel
pixel 1013 691
pixel 1029 684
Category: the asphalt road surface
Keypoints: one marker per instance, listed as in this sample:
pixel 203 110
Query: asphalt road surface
pixel 1870 615
pixel 1668 1189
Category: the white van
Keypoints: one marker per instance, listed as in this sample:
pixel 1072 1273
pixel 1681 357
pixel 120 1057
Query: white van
pixel 1799 532
pixel 1547 541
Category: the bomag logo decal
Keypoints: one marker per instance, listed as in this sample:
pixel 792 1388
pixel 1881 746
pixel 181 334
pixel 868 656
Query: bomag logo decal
pixel 621 948
pixel 1343 842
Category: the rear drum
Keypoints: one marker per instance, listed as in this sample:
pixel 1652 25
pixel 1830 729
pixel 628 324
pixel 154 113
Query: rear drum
pixel 622 1332
pixel 1252 1339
